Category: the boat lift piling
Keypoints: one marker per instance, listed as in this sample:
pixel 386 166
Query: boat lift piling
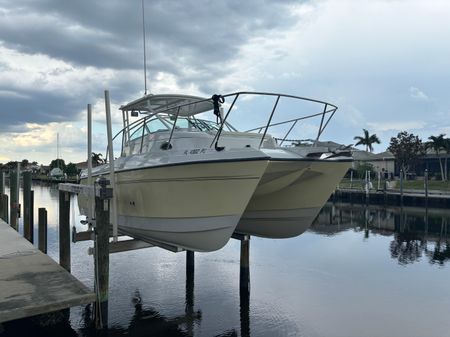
pixel 28 226
pixel 5 206
pixel 14 197
pixel 101 249
pixel 89 157
pixel 100 234
pixel 111 165
pixel 190 263
pixel 2 182
pixel 64 230
pixel 3 196
pixel 244 271
pixel 190 272
pixel 42 228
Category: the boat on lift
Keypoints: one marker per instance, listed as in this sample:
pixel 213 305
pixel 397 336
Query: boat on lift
pixel 170 187
pixel 297 181
pixel 188 180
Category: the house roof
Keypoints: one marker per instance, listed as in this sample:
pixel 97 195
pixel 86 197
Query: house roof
pixel 369 156
pixel 81 165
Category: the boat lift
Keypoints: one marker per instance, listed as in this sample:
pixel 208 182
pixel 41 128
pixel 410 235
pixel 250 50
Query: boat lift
pixel 101 228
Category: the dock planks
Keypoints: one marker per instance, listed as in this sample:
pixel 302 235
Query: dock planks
pixel 31 282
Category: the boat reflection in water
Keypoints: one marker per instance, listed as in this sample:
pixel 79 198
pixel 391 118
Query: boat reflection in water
pixel 417 232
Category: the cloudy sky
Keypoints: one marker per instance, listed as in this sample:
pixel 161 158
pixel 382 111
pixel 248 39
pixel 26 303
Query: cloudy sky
pixel 384 63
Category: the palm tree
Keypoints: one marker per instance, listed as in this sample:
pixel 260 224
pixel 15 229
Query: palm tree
pixel 97 159
pixel 367 140
pixel 437 143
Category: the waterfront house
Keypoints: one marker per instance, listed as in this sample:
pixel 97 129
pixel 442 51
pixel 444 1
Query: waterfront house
pixel 383 162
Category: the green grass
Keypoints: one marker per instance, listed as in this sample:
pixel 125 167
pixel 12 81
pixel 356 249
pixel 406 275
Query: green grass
pixel 418 184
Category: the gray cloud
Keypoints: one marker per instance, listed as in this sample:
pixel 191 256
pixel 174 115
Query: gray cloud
pixel 42 107
pixel 108 34
pixel 195 37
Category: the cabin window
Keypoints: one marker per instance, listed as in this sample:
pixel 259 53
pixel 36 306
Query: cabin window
pixel 137 133
pixel 155 125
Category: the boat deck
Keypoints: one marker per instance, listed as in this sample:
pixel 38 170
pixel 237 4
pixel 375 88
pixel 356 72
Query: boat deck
pixel 32 283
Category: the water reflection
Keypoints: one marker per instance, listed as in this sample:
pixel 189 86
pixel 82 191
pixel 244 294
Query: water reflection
pixel 417 233
pixel 349 267
pixel 244 304
pixel 144 321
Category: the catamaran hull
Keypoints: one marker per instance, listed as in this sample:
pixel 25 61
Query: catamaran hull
pixel 290 209
pixel 194 206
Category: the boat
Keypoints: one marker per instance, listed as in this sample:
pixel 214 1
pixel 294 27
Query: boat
pixel 298 180
pixel 293 190
pixel 170 187
pixel 187 177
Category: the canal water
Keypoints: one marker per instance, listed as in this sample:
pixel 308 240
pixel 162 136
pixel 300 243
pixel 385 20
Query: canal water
pixel 358 271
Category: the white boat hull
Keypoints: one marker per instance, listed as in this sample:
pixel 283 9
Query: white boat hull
pixel 195 206
pixel 285 206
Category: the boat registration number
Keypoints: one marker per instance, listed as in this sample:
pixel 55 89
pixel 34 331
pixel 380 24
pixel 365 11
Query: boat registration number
pixel 195 151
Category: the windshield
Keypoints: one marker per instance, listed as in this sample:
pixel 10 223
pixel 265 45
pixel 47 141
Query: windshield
pixel 193 123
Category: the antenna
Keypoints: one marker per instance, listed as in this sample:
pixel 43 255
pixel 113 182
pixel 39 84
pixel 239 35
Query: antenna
pixel 145 56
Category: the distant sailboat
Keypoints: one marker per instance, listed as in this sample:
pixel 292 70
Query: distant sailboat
pixel 57 173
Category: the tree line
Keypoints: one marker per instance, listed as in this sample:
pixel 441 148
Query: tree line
pixel 407 148
pixel 70 169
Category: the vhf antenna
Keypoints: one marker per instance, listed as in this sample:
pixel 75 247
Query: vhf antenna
pixel 145 56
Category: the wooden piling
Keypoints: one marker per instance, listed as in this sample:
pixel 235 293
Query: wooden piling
pixel 2 210
pixel 32 216
pixel 64 230
pixel 2 183
pixel 27 206
pixel 190 267
pixel 42 227
pixel 5 202
pixel 244 287
pixel 14 200
pixel 101 253
pixel 244 275
pixel 2 192
pixel 190 262
pixel 244 304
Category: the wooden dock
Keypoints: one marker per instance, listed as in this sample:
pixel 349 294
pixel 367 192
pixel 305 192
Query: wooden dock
pixel 393 198
pixel 31 283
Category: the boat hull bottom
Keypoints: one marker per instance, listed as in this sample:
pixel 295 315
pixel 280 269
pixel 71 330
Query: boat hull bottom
pixel 277 224
pixel 204 234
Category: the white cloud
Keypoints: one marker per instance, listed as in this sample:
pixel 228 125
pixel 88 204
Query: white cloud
pixel 38 142
pixel 416 93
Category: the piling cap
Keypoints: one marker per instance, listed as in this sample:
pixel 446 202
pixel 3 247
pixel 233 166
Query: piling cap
pixel 103 192
pixel 103 182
